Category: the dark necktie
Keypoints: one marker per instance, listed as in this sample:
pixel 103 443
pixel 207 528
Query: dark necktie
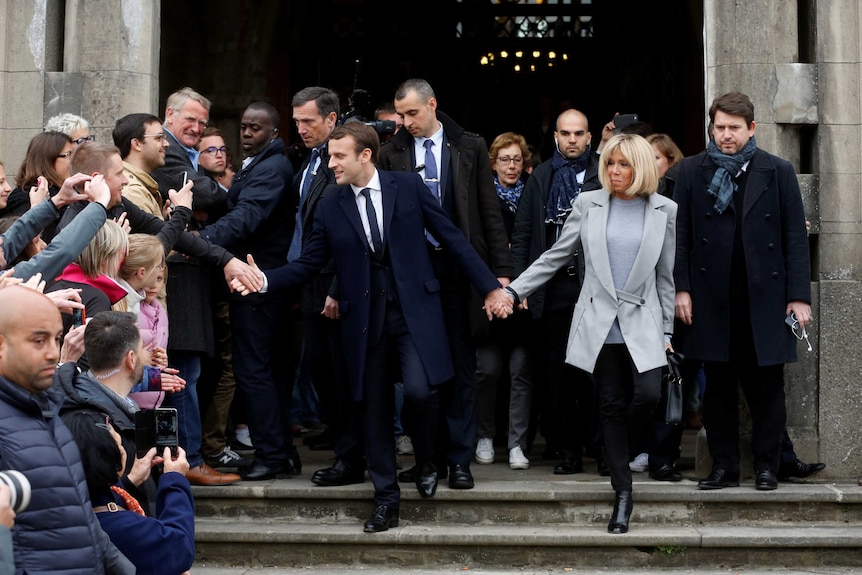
pixel 296 243
pixel 432 180
pixel 376 240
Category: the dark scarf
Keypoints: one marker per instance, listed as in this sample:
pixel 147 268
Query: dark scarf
pixel 564 187
pixel 723 185
pixel 509 196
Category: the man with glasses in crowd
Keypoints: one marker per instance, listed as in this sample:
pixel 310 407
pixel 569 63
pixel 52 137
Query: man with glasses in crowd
pixel 215 157
pixel 142 144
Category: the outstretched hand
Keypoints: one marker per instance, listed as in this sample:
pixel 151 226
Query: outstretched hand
pixel 243 278
pixel 39 192
pixel 183 197
pixel 69 193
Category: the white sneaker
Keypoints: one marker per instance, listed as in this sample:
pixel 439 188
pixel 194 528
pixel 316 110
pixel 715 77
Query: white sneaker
pixel 404 445
pixel 640 463
pixel 485 450
pixel 517 459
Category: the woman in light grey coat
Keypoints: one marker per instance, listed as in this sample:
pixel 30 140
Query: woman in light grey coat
pixel 623 320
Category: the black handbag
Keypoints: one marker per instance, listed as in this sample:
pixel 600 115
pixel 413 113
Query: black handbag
pixel 669 407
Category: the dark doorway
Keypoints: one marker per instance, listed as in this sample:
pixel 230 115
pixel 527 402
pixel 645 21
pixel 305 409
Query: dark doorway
pixel 627 57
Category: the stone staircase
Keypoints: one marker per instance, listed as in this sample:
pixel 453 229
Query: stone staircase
pixel 516 520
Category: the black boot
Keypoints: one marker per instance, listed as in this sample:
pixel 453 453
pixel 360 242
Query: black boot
pixel 622 513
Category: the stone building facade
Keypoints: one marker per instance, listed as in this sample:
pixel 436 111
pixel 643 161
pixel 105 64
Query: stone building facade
pixel 800 61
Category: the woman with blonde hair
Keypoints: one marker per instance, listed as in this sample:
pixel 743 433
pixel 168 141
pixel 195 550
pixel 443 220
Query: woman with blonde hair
pixel 623 320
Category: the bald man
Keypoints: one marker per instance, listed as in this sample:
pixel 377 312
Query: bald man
pixel 36 443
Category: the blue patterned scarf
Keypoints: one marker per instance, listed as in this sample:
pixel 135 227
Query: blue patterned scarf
pixel 509 196
pixel 564 187
pixel 723 185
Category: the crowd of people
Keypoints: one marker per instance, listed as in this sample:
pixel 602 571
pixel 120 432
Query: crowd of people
pixel 411 274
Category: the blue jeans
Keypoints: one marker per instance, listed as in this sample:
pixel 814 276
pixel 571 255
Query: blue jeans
pixel 186 402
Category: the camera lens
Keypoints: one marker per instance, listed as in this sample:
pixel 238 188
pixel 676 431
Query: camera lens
pixel 20 487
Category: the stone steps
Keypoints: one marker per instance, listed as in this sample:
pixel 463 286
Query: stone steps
pixel 515 520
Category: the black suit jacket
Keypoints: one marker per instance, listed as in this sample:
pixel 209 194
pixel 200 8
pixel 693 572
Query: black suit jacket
pixel 408 209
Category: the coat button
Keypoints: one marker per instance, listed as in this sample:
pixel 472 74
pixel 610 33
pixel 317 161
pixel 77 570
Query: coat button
pixel 364 330
pixel 702 271
pixel 643 301
pixel 708 216
pixel 382 292
pixel 704 241
pixel 365 293
pixel 775 275
pixel 771 246
pixel 767 217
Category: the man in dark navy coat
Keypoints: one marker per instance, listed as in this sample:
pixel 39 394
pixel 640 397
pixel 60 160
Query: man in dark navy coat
pixel 742 268
pixel 373 225
pixel 261 224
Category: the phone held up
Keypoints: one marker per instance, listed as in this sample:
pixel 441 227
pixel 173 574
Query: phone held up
pixel 624 121
pixel 156 428
pixel 79 317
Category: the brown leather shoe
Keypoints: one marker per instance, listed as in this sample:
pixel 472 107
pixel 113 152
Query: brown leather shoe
pixel 206 475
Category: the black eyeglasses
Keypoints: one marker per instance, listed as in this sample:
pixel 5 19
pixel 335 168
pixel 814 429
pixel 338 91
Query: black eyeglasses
pixel 212 150
pixel 79 141
pixel 66 155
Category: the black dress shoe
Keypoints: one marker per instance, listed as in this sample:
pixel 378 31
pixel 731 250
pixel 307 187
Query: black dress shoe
pixel 293 465
pixel 426 480
pixel 261 472
pixel 719 479
pixel 341 473
pixel 383 518
pixel 765 480
pixel 323 441
pixel 568 466
pixel 665 473
pixel 623 505
pixel 460 477
pixel 798 469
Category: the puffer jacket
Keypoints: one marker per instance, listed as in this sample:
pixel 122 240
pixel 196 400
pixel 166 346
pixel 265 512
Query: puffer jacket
pixel 58 533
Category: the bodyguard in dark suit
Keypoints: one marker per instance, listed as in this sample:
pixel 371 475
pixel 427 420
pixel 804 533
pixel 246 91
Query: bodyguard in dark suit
pixel 260 224
pixel 456 167
pixel 315 113
pixel 565 399
pixel 373 226
pixel 742 266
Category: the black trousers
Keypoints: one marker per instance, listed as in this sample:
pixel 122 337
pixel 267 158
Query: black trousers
pixel 763 388
pixel 627 400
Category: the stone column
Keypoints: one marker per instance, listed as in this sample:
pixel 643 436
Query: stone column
pixel 98 59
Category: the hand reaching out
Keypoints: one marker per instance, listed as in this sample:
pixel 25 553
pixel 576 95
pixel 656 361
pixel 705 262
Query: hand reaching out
pixel 183 197
pixel 39 192
pixel 243 278
pixel 68 193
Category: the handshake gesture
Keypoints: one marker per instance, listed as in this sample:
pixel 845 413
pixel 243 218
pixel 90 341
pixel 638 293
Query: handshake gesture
pixel 498 304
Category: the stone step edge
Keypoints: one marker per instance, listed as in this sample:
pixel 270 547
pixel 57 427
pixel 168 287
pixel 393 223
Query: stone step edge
pixel 534 491
pixel 787 536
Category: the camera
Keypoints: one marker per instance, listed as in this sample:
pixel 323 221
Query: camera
pixel 19 485
pixel 358 102
pixel 156 428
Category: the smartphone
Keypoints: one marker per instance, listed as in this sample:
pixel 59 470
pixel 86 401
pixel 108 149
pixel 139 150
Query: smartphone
pixel 79 317
pixel 156 428
pixel 623 121
pixel 185 179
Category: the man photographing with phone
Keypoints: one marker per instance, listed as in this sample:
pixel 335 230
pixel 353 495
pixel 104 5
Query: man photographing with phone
pixel 117 358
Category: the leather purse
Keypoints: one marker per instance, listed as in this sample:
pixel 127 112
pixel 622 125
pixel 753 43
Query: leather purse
pixel 670 406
